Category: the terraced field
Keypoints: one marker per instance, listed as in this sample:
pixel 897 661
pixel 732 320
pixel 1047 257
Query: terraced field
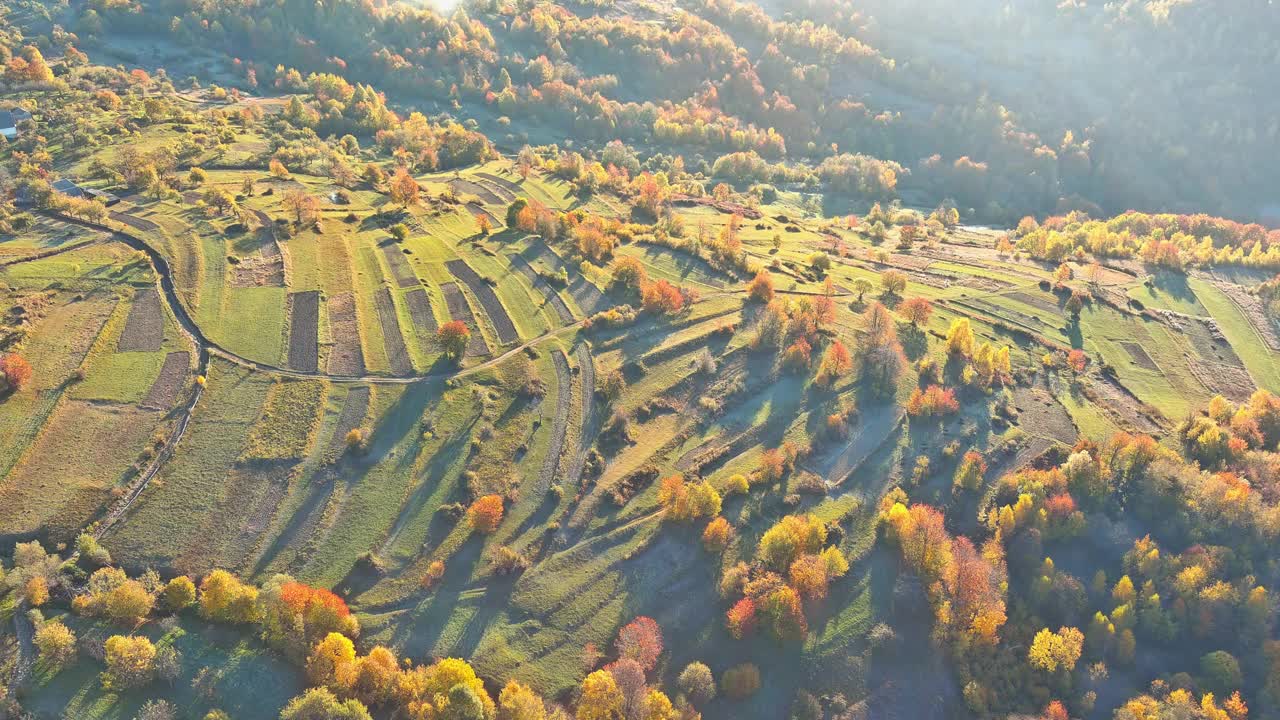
pixel 331 439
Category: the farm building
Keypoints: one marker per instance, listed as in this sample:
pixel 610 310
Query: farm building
pixel 9 120
pixel 71 189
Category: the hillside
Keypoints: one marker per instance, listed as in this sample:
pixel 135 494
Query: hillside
pixel 634 360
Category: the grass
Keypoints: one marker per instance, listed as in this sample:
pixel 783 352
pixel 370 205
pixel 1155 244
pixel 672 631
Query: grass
pixel 126 377
pixel 176 520
pixel 287 426
pixel 1262 364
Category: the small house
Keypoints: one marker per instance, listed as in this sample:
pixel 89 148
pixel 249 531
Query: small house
pixel 9 120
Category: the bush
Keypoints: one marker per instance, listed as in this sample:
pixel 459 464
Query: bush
pixel 1221 672
pixel 697 682
pixel 157 710
pixel 57 645
pixel 130 662
pixel 321 704
pixel 741 681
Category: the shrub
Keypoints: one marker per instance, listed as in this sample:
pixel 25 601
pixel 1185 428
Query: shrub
pixel 933 400
pixel 16 370
pixel 716 536
pixel 760 289
pixel 57 645
pixel 130 662
pixel 321 704
pixel 697 682
pixel 741 681
pixel 129 603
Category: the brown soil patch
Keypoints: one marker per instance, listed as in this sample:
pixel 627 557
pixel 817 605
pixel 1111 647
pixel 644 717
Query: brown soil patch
pixel 424 321
pixel 400 268
pixel 506 195
pixel 346 357
pixel 392 340
pixel 478 209
pixel 506 184
pixel 1037 300
pixel 1139 356
pixel 559 422
pixel 1215 363
pixel 354 408
pixel 173 375
pixel 265 268
pixel 304 327
pixel 1125 410
pixel 459 309
pixel 1041 415
pixel 468 187
pixel 981 283
pixel 911 262
pixel 586 295
pixel 488 300
pixel 540 284
pixel 144 328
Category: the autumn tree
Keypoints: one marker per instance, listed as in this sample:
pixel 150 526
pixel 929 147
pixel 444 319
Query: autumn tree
pixel 128 604
pixel 741 618
pixel 969 472
pixel 661 297
pixel 518 702
pixel 882 352
pixel 688 501
pixel 740 681
pixel 454 336
pixel 295 615
pixel 403 188
pixel 304 207
pixel 916 310
pixel 332 663
pixel 16 370
pixel 717 535
pixel 57 645
pixel 792 536
pixel 783 612
pixel 894 282
pixel 483 225
pixel 223 598
pixel 485 514
pixel 960 338
pixel 629 272
pixel 1052 651
pixel 322 704
pixel 697 683
pixel 640 640
pixel 600 698
pixel 130 662
pixel 760 289
pixel 836 363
